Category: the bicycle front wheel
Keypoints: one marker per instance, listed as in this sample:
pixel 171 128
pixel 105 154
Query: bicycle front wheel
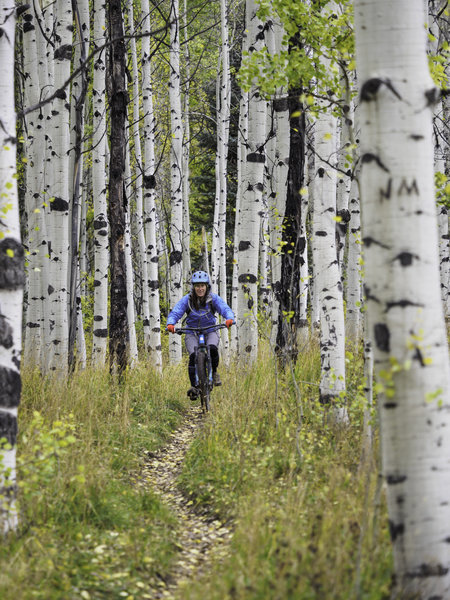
pixel 202 374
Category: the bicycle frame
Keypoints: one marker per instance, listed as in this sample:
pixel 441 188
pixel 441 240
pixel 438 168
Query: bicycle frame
pixel 203 364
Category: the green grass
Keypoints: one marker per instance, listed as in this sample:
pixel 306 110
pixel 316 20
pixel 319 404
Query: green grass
pixel 309 519
pixel 86 529
pixel 308 515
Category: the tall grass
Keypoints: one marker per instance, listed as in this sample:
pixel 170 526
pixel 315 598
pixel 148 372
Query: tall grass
pixel 308 516
pixel 87 529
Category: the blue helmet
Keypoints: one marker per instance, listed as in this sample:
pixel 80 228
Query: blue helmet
pixel 200 277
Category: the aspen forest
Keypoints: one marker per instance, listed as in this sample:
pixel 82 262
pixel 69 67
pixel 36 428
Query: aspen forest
pixel 297 154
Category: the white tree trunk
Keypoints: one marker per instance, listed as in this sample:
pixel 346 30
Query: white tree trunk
pixel 34 147
pixel 58 231
pixel 241 153
pixel 11 274
pixel 150 195
pixel 353 323
pixel 176 176
pixel 138 181
pixel 277 204
pixel 186 152
pixel 131 313
pixel 405 314
pixel 251 205
pixel 99 185
pixel 223 140
pixel 327 273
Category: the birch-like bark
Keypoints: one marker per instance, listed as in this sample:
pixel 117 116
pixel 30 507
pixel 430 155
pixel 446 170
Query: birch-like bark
pixel 223 139
pixel 150 214
pixel 438 34
pixel 406 320
pixel 77 98
pixel 176 176
pixel 241 153
pixel 186 152
pixel 34 146
pixel 353 322
pixel 58 231
pixel 12 278
pixel 99 185
pixel 251 205
pixel 138 184
pixel 131 313
pixel 328 277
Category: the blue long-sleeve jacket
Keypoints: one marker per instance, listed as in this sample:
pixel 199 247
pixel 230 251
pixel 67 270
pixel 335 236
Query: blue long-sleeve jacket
pixel 202 317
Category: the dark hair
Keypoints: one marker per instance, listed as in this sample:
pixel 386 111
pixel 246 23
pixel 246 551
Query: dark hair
pixel 198 302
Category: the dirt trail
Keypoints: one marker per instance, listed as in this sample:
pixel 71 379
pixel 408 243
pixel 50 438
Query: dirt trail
pixel 201 537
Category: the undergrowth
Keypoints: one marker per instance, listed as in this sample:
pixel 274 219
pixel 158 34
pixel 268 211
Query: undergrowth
pixel 307 512
pixel 86 529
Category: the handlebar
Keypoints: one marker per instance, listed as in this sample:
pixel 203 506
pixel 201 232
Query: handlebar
pixel 197 330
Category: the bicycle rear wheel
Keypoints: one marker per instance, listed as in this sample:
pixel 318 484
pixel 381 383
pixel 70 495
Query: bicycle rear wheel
pixel 202 374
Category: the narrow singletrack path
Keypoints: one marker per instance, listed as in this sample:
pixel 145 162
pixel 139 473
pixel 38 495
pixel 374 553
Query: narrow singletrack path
pixel 202 538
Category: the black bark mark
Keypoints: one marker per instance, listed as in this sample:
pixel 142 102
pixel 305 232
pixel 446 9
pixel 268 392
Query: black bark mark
pixel 395 479
pixel 406 258
pixel 6 333
pixel 382 337
pixel 371 87
pixel 396 530
pixel 59 205
pixel 247 278
pixel 243 245
pixel 368 157
pixel 401 304
pixel 12 275
pixel 427 570
pixel 8 428
pixel 368 241
pixel 10 388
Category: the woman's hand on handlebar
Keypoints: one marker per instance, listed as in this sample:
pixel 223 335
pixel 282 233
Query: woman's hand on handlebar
pixel 229 323
pixel 171 328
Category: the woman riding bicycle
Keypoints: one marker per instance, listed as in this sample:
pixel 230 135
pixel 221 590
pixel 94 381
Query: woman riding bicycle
pixel 200 305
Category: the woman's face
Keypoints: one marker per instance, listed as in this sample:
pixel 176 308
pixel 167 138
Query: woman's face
pixel 200 289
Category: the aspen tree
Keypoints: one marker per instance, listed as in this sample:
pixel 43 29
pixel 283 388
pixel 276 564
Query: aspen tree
pixel 76 156
pixel 33 145
pixel 405 315
pixel 131 313
pixel 11 275
pixel 176 175
pixel 150 213
pixel 328 278
pixel 99 187
pixel 140 250
pixel 327 274
pixel 277 205
pixel 186 151
pixel 248 235
pixel 58 230
pixel 241 153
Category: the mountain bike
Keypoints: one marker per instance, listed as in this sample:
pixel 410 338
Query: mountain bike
pixel 203 365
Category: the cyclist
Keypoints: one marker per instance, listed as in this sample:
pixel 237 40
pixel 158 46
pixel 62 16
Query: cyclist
pixel 200 305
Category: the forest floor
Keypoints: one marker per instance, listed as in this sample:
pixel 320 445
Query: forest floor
pixel 202 539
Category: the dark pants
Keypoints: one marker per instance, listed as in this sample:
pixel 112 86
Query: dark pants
pixel 214 363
